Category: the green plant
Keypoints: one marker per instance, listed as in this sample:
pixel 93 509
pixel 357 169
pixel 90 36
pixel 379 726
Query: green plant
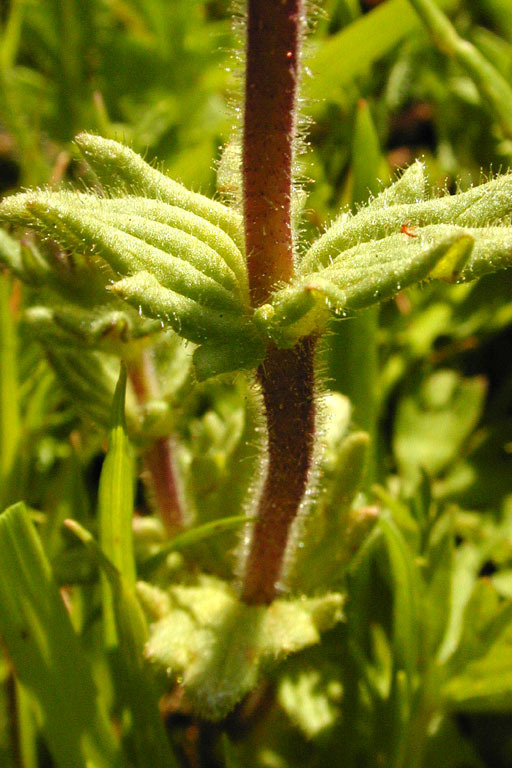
pixel 135 269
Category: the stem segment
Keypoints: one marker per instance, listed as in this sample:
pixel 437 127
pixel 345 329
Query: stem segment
pixel 286 375
pixel 287 381
pixel 161 473
pixel 273 36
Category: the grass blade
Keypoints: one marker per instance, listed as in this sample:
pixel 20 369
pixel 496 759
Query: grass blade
pixel 151 748
pixel 351 52
pixel 493 86
pixel 190 538
pixel 9 405
pixel 116 493
pixel 46 652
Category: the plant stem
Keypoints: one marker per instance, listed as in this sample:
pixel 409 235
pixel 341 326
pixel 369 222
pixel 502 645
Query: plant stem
pixel 286 376
pixel 287 382
pixel 273 36
pixel 162 478
pixel 161 472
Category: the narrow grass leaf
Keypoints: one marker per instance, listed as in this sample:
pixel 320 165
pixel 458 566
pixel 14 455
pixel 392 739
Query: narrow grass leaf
pixel 115 502
pixel 486 77
pixel 190 538
pixel 367 162
pixel 26 727
pixel 351 52
pixel 10 425
pixel 46 652
pixel 134 678
pixel 406 591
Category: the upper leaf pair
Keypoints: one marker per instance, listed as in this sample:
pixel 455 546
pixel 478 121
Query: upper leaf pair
pixel 177 256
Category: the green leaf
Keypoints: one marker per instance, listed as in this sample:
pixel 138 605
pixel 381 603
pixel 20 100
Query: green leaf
pixel 121 169
pixel 486 684
pixel 409 188
pixel 231 759
pixel 101 327
pixel 332 532
pixel 217 646
pixel 438 579
pixel 190 223
pixel 166 227
pixel 10 253
pixel 133 677
pixel 357 278
pixel 115 506
pixel 406 599
pixel 46 652
pixel 434 421
pixel 180 269
pixel 353 364
pixel 198 323
pixel 10 424
pixel 65 219
pixel 448 748
pixel 367 161
pixel 479 207
pixel 27 731
pixel 350 53
pixel 224 466
pixel 189 539
pixel 490 82
pixel 89 378
pixel 467 562
pixel 311 702
pixel 240 353
pixel 487 622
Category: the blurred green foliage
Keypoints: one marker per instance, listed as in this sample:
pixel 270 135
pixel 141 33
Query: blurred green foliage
pixel 419 671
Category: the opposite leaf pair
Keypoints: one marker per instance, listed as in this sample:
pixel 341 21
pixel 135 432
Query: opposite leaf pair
pixel 178 257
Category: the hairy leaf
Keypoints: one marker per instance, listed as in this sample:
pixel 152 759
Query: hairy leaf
pixel 119 168
pixel 217 645
pixel 359 277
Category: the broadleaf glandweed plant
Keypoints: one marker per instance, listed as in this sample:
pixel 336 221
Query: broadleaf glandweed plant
pixel 191 293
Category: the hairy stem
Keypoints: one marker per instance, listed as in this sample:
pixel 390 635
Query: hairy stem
pixel 273 36
pixel 287 382
pixel 161 473
pixel 286 375
pixel 161 476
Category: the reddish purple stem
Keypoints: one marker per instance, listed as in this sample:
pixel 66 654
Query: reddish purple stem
pixel 286 375
pixel 287 381
pixel 273 36
pixel 161 474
